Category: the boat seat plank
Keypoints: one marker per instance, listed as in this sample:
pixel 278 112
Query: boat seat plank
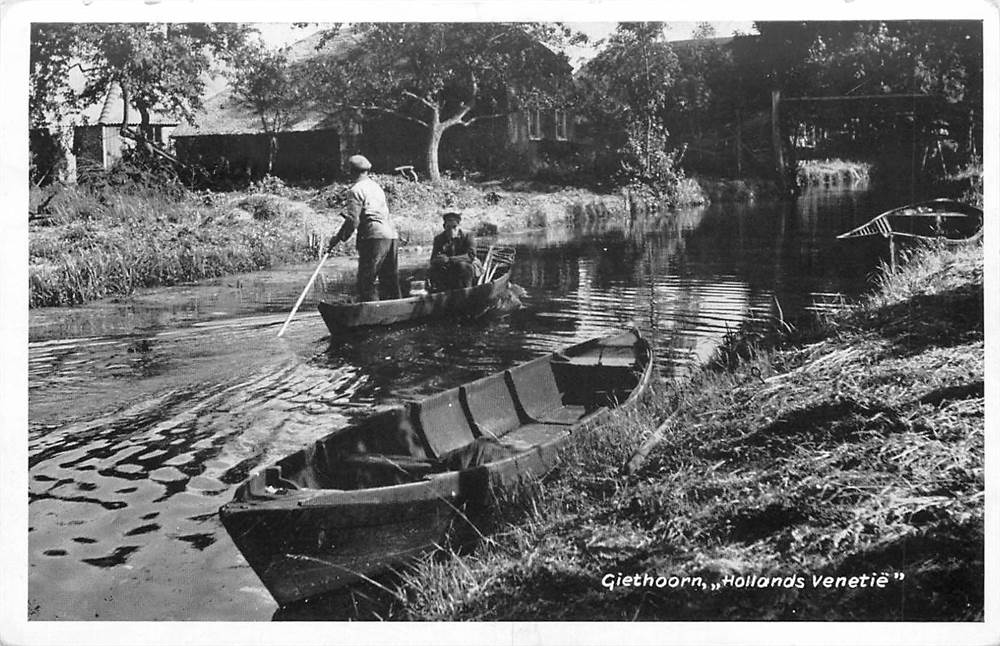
pixel 491 405
pixel 623 340
pixel 614 357
pixel 537 393
pixel 443 422
pixel 366 470
pixel 563 415
pixel 531 435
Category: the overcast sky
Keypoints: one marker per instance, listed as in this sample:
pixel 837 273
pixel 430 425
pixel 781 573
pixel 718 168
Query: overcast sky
pixel 280 34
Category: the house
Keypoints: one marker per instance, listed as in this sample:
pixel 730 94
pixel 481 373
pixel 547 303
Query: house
pixel 90 139
pixel 229 139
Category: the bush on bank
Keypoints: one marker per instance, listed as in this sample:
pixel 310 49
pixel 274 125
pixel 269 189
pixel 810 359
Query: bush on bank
pixel 857 450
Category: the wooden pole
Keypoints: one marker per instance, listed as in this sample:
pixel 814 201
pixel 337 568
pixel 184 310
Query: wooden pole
pixel 303 295
pixel 638 458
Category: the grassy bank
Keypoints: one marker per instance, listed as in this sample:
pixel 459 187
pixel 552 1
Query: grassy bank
pixel 832 172
pixel 856 450
pixel 109 241
pixel 86 245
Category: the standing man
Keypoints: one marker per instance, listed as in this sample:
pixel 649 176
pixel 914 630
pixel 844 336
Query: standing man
pixel 453 257
pixel 368 213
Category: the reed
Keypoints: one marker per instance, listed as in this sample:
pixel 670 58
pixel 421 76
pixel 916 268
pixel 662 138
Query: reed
pixel 833 172
pixel 93 247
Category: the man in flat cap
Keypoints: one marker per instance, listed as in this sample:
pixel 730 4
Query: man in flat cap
pixel 453 257
pixel 368 214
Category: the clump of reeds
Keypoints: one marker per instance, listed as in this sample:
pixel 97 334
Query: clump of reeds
pixel 833 173
pixel 92 246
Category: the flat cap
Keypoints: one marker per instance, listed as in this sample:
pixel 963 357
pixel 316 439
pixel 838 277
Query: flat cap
pixel 359 162
pixel 451 214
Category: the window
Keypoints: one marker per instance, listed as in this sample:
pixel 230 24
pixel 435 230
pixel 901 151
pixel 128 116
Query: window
pixel 534 123
pixel 562 132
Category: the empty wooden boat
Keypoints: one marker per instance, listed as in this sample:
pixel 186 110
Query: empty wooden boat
pixel 373 495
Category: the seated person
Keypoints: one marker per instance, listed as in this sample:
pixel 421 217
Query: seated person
pixel 453 259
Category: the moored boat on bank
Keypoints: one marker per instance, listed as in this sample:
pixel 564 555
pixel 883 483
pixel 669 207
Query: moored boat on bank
pixel 374 495
pixel 940 219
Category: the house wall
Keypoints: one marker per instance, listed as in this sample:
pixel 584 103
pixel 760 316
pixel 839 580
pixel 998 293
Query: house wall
pixel 389 142
pixel 88 147
pixel 499 146
pixel 301 155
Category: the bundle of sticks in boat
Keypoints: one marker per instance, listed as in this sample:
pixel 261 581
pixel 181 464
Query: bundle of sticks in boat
pixel 498 259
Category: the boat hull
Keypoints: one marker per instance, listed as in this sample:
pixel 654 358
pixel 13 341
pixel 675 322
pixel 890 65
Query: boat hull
pixel 470 301
pixel 317 537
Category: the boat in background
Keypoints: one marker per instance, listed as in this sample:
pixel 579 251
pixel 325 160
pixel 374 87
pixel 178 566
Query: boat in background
pixel 930 220
pixel 376 494
pixel 492 286
pixel 469 302
pixel 941 220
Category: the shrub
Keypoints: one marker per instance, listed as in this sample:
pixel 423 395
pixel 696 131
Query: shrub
pixel 138 172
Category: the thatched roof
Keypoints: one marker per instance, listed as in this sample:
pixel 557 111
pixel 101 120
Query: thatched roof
pixel 112 112
pixel 223 116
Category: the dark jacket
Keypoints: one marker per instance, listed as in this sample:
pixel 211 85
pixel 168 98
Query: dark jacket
pixel 446 247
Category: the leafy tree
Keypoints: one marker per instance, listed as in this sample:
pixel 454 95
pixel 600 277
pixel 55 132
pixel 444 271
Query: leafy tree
pixel 937 58
pixel 444 75
pixel 158 66
pixel 628 86
pixel 701 83
pixel 51 56
pixel 267 83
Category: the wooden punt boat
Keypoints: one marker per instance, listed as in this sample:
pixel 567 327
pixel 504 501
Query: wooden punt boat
pixel 470 301
pixel 374 495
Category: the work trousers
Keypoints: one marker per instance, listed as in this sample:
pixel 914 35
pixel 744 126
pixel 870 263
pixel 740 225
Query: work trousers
pixel 377 259
pixel 453 274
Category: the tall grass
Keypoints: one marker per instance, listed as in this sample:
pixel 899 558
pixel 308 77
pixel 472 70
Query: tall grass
pixel 833 172
pixel 92 247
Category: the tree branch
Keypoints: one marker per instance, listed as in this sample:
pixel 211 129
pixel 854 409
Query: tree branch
pixel 457 118
pixel 377 108
pixel 426 102
pixel 472 120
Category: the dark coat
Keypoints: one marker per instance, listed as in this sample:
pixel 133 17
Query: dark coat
pixel 461 247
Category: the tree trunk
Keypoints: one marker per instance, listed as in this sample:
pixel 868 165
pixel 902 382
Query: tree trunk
pixel 649 128
pixel 125 106
pixel 272 151
pixel 433 143
pixel 776 144
pixel 144 121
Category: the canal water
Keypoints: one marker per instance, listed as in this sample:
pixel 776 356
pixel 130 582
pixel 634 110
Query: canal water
pixel 145 413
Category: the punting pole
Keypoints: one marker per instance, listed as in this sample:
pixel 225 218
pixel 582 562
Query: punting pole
pixel 303 295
